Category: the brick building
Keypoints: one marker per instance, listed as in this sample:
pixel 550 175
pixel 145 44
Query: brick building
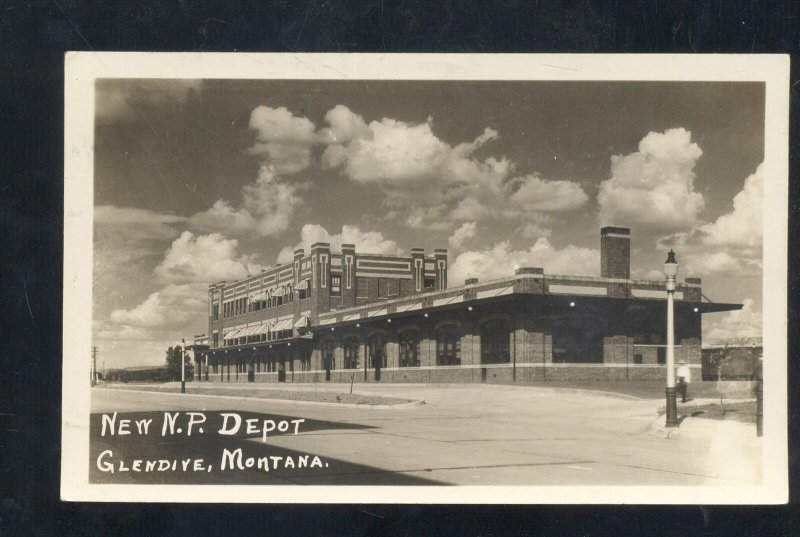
pixel 348 315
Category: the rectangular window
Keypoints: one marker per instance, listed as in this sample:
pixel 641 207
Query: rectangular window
pixel 661 355
pixel 430 283
pixel 336 284
pixel 637 358
pixel 215 340
pixel 215 312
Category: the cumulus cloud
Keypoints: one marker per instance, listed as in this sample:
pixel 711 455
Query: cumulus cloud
pixel 465 232
pixel 204 259
pixel 532 193
pixel 284 140
pixel 719 262
pixel 345 126
pixel 392 153
pixel 744 323
pixel 432 184
pixel 501 260
pixel 179 308
pixel 284 144
pixel 733 242
pixel 428 182
pixel 535 230
pixel 365 241
pixel 653 188
pixel 124 100
pixel 744 225
pixel 170 308
pixel 267 208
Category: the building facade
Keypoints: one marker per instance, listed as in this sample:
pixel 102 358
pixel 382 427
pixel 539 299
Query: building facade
pixel 350 316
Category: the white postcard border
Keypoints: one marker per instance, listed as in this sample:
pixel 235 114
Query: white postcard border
pixel 81 70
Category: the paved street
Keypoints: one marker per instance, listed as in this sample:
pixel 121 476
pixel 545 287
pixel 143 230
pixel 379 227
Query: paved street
pixel 462 435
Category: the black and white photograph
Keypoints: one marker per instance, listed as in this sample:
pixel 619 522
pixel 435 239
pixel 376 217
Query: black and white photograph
pixel 425 278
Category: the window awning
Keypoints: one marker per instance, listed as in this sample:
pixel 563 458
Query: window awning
pixel 233 333
pixel 302 322
pixel 280 291
pixel 249 331
pixel 285 324
pixel 261 329
pixel 304 284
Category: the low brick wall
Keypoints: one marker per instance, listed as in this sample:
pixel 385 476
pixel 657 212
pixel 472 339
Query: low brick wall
pixel 500 374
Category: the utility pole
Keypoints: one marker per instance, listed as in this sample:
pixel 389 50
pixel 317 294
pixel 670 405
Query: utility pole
pixel 94 366
pixel 671 271
pixel 183 366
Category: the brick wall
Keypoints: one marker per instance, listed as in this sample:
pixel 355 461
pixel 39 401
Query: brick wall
pixel 615 252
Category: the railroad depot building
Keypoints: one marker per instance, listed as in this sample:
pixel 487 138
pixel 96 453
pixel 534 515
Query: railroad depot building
pixel 348 315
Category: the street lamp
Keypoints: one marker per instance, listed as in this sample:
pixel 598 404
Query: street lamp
pixel 183 366
pixel 671 271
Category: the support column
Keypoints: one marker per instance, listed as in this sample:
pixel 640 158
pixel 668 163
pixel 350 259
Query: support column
pixel 392 348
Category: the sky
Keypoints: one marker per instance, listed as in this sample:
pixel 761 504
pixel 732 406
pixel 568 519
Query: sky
pixel 198 181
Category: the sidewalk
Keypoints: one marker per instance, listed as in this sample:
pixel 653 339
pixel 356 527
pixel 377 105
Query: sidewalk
pixel 692 428
pixel 385 388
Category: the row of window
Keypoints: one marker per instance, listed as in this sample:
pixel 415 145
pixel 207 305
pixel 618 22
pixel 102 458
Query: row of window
pixel 495 347
pixel 263 364
pixel 242 305
pixel 259 338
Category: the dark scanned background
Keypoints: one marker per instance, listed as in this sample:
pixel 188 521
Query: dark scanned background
pixel 34 35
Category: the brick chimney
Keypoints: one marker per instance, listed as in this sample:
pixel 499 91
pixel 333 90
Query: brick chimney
pixel 615 252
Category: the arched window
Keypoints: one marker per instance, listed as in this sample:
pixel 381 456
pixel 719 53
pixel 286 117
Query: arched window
pixel 495 342
pixel 328 356
pixel 448 345
pixel 409 348
pixel 351 345
pixel 377 351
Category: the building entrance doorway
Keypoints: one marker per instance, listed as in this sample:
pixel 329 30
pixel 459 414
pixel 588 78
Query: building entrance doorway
pixel 328 359
pixel 376 348
pixel 281 368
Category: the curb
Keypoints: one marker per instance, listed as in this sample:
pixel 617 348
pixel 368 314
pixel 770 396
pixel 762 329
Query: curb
pixel 659 430
pixel 695 403
pixel 410 404
pixel 514 387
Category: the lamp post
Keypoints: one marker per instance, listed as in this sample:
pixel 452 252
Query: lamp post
pixel 183 366
pixel 671 271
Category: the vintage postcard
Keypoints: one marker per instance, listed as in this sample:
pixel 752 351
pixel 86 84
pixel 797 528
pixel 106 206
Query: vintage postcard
pixel 334 278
